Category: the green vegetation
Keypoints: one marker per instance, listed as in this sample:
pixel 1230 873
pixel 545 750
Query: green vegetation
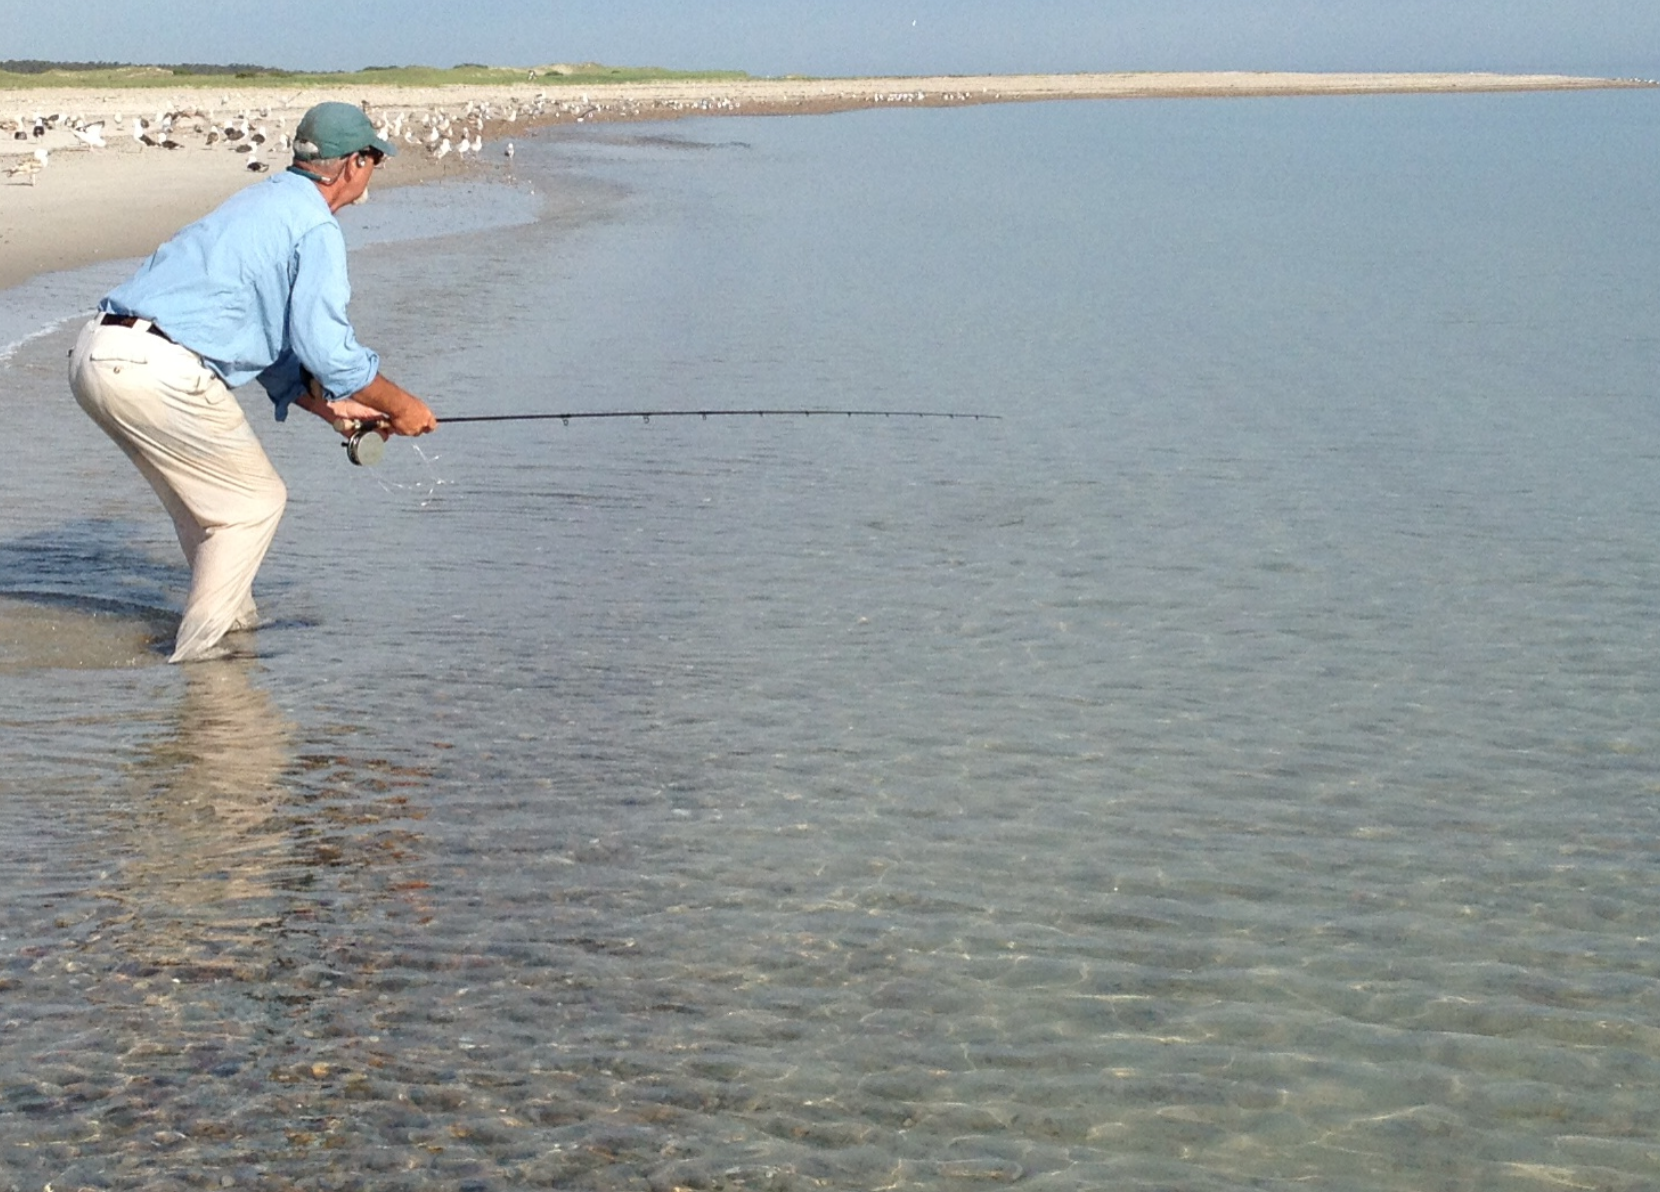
pixel 22 75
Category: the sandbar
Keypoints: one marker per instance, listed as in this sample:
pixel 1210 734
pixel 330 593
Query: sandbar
pixel 89 204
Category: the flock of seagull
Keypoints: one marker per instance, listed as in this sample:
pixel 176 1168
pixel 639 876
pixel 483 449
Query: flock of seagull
pixel 437 133
pixel 259 133
pixel 256 134
pixel 176 129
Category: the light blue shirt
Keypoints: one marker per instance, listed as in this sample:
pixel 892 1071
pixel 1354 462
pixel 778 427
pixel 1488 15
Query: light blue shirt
pixel 258 290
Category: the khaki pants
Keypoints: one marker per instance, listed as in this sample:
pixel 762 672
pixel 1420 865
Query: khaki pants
pixel 181 426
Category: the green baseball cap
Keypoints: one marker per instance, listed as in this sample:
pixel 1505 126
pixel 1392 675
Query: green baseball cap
pixel 332 130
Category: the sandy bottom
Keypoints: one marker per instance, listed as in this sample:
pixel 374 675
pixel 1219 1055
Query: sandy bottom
pixel 85 204
pixel 44 633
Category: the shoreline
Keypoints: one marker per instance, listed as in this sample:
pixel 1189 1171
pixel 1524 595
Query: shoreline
pixel 87 205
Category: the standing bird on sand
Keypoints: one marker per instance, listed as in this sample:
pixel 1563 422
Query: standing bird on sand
pixel 30 166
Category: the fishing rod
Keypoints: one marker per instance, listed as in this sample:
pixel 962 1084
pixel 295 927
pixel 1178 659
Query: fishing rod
pixel 365 446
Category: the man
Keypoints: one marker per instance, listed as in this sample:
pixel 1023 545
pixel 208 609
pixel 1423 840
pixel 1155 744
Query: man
pixel 255 291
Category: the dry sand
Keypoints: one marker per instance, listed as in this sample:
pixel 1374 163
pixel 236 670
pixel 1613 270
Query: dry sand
pixel 91 204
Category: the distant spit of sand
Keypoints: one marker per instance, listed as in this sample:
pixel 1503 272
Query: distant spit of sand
pixel 86 203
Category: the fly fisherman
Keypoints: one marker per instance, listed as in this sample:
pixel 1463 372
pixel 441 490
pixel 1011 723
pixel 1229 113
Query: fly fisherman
pixel 256 291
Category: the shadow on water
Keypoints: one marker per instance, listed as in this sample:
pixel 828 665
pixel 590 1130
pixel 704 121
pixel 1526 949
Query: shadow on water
pixel 91 558
pixel 86 595
pixel 81 596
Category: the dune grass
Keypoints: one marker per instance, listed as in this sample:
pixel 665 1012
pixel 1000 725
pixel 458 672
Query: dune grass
pixel 173 77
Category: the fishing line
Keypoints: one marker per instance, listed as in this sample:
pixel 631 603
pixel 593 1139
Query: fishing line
pixel 365 446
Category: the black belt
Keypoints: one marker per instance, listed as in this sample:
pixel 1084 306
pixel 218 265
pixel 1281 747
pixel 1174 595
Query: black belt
pixel 110 320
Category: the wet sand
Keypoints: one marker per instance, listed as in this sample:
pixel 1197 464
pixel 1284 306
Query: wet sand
pixel 87 204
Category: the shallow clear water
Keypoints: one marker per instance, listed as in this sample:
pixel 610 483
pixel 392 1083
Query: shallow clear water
pixel 1235 768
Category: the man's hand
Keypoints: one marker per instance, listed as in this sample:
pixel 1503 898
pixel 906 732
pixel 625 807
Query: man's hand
pixel 413 421
pixel 400 412
pixel 381 404
pixel 348 417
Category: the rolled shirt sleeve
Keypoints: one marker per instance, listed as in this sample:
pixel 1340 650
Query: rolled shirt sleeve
pixel 319 332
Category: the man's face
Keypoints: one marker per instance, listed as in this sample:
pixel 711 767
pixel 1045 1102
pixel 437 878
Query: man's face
pixel 359 170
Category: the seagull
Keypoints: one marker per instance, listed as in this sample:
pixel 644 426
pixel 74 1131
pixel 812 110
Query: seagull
pixel 91 135
pixel 443 149
pixel 508 152
pixel 30 166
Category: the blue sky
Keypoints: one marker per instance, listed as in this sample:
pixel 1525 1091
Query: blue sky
pixel 771 37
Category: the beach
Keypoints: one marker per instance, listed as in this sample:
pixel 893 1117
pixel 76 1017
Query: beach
pixel 1231 768
pixel 87 204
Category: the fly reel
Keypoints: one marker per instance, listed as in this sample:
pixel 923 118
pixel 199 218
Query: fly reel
pixel 365 447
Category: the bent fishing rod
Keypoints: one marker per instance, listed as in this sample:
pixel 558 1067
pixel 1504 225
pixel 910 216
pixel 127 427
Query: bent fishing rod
pixel 365 444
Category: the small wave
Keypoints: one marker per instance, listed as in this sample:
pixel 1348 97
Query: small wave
pixel 43 304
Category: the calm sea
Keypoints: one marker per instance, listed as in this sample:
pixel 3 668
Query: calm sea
pixel 1236 768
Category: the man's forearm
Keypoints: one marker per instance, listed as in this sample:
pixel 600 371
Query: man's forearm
pixel 388 397
pixel 313 403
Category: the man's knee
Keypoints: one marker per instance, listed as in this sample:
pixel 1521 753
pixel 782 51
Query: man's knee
pixel 272 498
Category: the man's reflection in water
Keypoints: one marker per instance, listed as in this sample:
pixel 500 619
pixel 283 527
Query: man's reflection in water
pixel 210 840
pixel 226 997
pixel 246 854
pixel 179 997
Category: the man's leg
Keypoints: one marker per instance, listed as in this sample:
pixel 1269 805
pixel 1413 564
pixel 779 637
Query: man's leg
pixel 184 431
